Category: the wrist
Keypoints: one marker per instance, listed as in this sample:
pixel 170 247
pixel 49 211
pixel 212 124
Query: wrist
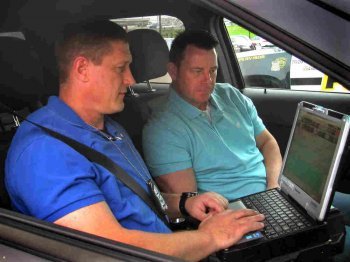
pixel 271 185
pixel 209 240
pixel 183 200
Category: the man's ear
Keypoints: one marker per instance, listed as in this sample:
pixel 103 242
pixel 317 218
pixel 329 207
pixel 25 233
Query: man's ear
pixel 80 68
pixel 172 70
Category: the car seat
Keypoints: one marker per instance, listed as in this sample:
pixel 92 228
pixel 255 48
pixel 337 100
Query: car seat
pixel 21 86
pixel 150 55
pixel 149 60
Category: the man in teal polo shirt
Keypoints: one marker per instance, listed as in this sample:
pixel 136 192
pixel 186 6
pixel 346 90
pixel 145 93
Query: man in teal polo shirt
pixel 208 136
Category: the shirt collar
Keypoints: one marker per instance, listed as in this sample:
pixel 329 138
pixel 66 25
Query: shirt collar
pixel 58 106
pixel 217 110
pixel 181 104
pixel 189 110
pixel 67 113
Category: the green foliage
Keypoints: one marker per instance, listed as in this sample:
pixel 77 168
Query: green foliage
pixel 238 30
pixel 170 32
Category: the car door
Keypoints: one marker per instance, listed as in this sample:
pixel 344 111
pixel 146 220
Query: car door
pixel 302 65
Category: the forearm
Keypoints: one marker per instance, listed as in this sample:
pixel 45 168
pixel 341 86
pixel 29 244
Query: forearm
pixel 177 182
pixel 173 204
pixel 217 232
pixel 187 245
pixel 273 162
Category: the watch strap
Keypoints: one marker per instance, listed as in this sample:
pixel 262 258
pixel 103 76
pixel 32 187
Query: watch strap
pixel 183 198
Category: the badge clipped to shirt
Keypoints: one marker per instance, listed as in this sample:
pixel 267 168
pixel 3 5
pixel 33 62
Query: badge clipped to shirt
pixel 157 196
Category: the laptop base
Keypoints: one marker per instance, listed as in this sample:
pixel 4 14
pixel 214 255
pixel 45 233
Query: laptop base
pixel 320 243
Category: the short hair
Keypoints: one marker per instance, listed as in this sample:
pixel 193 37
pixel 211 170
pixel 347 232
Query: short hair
pixel 91 39
pixel 199 38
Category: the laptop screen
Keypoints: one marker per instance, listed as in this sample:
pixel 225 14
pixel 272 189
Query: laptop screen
pixel 311 153
pixel 312 157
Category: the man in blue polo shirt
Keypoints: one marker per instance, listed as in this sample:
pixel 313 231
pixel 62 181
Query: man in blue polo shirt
pixel 47 179
pixel 207 136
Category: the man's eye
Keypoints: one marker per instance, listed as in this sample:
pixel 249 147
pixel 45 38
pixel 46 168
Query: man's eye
pixel 213 71
pixel 120 69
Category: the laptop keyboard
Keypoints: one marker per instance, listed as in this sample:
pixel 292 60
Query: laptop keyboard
pixel 281 217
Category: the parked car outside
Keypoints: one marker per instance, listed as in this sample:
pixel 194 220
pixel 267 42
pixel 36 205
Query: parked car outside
pixel 236 47
pixel 242 42
pixel 260 42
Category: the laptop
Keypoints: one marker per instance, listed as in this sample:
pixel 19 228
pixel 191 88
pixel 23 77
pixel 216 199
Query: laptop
pixel 295 213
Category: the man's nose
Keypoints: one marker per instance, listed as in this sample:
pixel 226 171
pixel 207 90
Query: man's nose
pixel 128 78
pixel 208 78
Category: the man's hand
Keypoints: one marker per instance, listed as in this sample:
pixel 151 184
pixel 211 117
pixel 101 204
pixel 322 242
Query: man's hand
pixel 204 205
pixel 228 227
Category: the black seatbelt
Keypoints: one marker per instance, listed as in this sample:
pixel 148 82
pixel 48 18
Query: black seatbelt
pixel 101 159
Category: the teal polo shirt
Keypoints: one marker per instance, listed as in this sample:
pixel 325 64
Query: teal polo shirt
pixel 222 152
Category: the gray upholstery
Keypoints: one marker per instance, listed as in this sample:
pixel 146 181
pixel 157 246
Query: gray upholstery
pixel 21 80
pixel 21 87
pixel 150 54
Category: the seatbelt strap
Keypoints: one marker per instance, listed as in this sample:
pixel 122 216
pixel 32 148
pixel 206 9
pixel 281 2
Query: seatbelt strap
pixel 101 159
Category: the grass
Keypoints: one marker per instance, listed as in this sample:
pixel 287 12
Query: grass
pixel 237 30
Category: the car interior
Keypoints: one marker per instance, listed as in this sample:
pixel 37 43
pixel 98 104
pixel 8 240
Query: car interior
pixel 28 30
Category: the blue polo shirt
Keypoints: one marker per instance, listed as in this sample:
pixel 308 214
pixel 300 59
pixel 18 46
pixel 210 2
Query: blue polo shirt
pixel 47 179
pixel 222 152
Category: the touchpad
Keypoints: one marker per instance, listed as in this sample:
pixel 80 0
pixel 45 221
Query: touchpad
pixel 251 235
pixel 236 205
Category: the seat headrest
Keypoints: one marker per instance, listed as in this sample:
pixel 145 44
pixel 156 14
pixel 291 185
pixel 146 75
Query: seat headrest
pixel 21 78
pixel 149 54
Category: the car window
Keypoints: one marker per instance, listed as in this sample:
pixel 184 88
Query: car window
pixel 263 64
pixel 167 26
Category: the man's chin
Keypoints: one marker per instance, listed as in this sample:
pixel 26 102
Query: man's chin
pixel 116 109
pixel 120 108
pixel 204 98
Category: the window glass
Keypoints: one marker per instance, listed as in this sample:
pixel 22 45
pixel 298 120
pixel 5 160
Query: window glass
pixel 264 64
pixel 167 26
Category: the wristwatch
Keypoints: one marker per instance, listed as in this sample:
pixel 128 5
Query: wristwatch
pixel 184 197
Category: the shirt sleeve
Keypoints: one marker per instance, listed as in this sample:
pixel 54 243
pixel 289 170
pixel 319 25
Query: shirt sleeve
pixel 51 180
pixel 165 149
pixel 244 104
pixel 256 120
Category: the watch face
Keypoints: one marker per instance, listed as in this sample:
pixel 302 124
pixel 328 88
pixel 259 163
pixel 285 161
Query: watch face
pixel 189 194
